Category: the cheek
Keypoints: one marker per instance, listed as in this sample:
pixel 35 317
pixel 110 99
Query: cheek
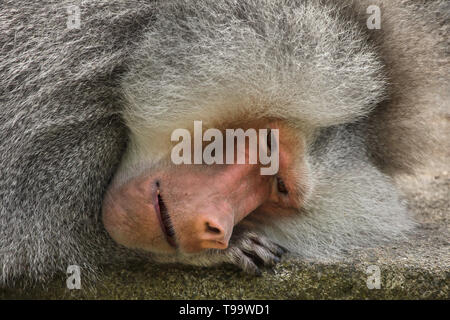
pixel 132 223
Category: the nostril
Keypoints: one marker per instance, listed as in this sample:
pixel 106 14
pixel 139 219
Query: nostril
pixel 209 231
pixel 212 229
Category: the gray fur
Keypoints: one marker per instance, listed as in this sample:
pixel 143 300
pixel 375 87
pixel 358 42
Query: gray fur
pixel 359 96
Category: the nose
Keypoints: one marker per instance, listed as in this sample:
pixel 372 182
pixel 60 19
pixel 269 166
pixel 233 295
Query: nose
pixel 210 232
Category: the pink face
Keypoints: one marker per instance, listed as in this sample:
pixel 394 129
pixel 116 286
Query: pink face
pixel 190 208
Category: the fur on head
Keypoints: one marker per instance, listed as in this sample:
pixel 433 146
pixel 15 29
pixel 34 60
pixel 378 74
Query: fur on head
pixel 216 60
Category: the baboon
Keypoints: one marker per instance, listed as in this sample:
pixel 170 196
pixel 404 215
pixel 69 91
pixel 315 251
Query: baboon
pixel 90 93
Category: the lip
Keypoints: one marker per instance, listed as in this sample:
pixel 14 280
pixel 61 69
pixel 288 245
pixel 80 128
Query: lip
pixel 165 224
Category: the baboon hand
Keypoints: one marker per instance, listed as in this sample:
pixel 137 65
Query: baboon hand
pixel 250 251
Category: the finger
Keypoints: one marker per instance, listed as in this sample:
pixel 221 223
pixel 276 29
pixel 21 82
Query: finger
pixel 260 255
pixel 274 248
pixel 245 263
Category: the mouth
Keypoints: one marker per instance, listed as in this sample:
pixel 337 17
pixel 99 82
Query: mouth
pixel 164 218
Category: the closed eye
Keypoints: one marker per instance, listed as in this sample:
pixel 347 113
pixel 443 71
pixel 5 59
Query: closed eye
pixel 281 186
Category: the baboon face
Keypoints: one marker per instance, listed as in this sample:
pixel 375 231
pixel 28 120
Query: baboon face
pixel 193 207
